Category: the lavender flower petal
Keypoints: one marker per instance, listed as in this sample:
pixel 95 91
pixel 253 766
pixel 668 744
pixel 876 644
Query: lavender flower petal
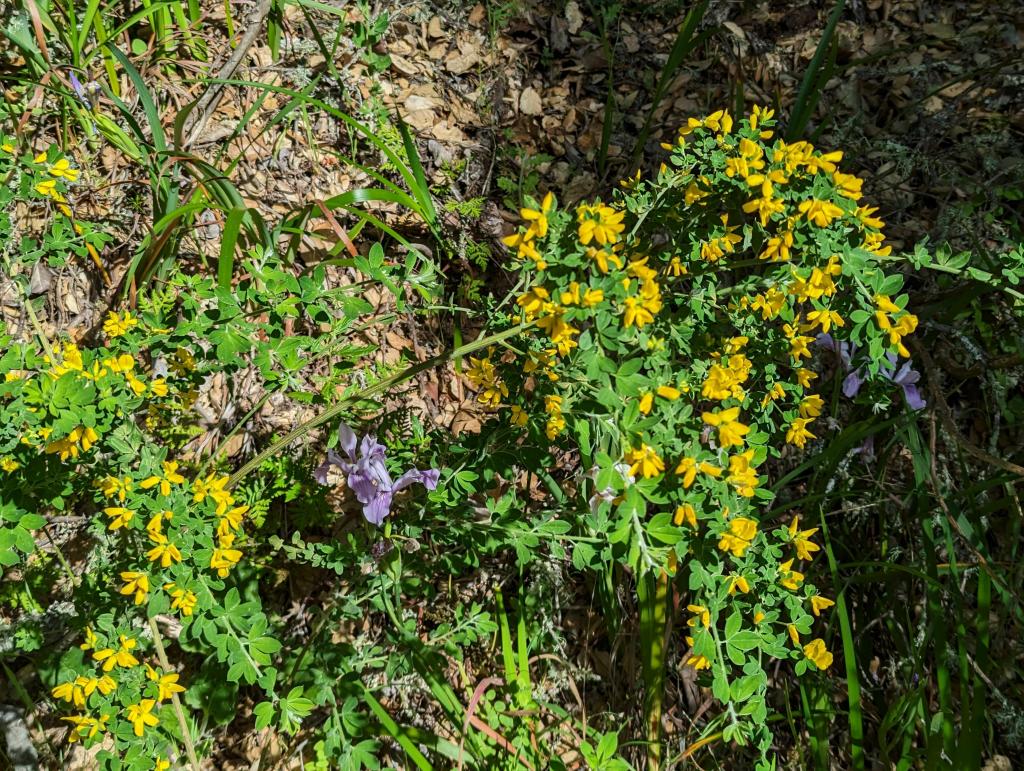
pixel 347 440
pixel 852 384
pixel 427 478
pixel 333 459
pixel 914 400
pixel 378 508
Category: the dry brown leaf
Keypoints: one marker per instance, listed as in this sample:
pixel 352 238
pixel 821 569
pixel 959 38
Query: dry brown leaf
pixel 530 102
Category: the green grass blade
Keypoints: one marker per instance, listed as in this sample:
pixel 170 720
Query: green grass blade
pixel 226 259
pixel 812 84
pixel 146 98
pixel 685 42
pixel 395 732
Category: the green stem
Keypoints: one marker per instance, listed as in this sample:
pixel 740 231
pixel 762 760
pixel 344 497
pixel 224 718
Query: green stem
pixel 652 594
pixel 161 654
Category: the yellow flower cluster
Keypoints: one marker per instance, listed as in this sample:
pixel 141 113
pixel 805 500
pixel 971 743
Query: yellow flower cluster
pixel 524 241
pixel 904 325
pixel 140 714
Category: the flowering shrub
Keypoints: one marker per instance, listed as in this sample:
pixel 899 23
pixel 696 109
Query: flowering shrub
pixel 670 346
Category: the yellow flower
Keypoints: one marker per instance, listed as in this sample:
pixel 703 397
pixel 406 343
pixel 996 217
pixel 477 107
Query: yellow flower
pixel 7 147
pixel 135 583
pixel 164 551
pixel 166 684
pixel 821 213
pixel 62 168
pixel 668 392
pixel 90 639
pixel 159 387
pixel 818 654
pixel 825 319
pixel 738 584
pixel 819 604
pixel 121 657
pixel 490 388
pixel 801 539
pixel 742 475
pixel 224 559
pixel 162 764
pixel 599 223
pixel 140 715
pixel 811 406
pixel 790 579
pixel 685 513
pixel 805 376
pixel 170 477
pixel 758 617
pixel 533 301
pixel 519 416
pixel 9 464
pixel 603 257
pixel 794 635
pixel 698 662
pixel 120 517
pixel 646 403
pixel 730 430
pixel 70 692
pixel 117 325
pixel 644 461
pixel 700 615
pixel 183 599
pixel 213 486
pixel 538 218
pixel 797 433
pixel 739 537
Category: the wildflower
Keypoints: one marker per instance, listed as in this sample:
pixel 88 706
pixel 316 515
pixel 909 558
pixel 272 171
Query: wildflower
pixel 644 460
pixel 81 439
pixel 700 615
pixel 538 218
pixel 213 487
pixel 797 433
pixel 777 248
pixel 758 617
pixel 592 297
pixel 821 213
pixel 697 662
pixel 738 538
pixel 794 635
pixel 818 654
pixel 170 477
pixel 85 727
pixel 368 475
pixel 742 475
pixel 135 583
pixel 90 639
pixel 158 387
pixel 117 325
pixel 121 657
pixel 770 303
pixel 825 319
pixel 819 604
pixel 676 267
pixel 483 375
pixel 811 406
pixel 646 403
pixel 603 258
pixel 533 301
pixel 70 692
pixel 599 223
pixel 223 559
pixel 668 392
pixel 738 584
pixel 519 416
pixel 9 464
pixel 805 376
pixel 790 579
pixel 162 764
pixel 685 513
pixel 140 715
pixel 801 540
pixel 164 551
pixel 181 599
pixel 62 168
pixel 119 516
pixel 730 430
pixel 847 185
pixel 166 684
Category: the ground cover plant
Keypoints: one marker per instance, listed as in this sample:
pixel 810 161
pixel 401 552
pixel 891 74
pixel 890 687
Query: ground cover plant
pixel 506 386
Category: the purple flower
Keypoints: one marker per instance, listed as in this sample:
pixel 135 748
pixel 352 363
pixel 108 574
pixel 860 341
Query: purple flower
pixel 906 377
pixel 368 475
